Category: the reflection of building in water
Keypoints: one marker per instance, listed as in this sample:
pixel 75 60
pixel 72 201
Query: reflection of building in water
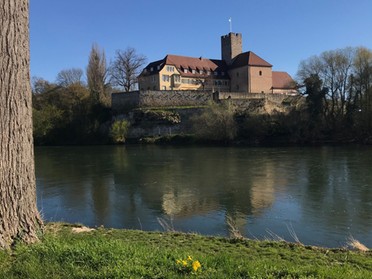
pixel 263 190
pixel 183 203
pixel 238 200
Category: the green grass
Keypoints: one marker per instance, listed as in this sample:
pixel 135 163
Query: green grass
pixel 108 253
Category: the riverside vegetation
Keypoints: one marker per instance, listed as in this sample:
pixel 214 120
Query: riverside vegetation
pixel 337 107
pixel 68 251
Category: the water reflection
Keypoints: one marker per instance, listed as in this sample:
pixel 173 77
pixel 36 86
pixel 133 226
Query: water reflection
pixel 323 193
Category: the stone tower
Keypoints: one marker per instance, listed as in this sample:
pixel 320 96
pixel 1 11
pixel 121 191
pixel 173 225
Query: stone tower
pixel 231 46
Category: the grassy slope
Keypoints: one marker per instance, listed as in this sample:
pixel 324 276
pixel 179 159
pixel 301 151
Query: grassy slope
pixel 106 253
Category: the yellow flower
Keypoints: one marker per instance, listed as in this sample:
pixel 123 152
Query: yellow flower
pixel 178 261
pixel 189 258
pixel 196 265
pixel 184 263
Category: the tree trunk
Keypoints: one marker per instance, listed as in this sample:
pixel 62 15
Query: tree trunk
pixel 19 217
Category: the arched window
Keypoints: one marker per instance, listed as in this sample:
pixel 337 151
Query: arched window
pixel 260 73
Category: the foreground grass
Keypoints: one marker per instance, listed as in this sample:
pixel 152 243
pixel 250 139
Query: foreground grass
pixel 108 253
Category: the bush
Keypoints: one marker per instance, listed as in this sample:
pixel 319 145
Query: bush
pixel 119 131
pixel 216 123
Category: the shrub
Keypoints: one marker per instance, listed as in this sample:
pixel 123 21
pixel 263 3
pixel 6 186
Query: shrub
pixel 119 131
pixel 215 123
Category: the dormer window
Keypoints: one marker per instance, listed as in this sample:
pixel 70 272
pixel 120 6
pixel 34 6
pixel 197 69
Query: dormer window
pixel 201 72
pixel 185 71
pixel 151 69
pixel 193 71
pixel 216 73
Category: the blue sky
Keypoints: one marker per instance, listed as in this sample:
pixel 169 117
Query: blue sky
pixel 283 32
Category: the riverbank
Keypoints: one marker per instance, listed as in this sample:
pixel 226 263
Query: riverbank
pixel 69 252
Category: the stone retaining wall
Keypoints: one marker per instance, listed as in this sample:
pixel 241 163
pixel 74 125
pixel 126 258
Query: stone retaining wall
pixel 160 99
pixel 125 101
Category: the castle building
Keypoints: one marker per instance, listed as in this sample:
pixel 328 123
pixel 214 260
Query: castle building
pixel 237 71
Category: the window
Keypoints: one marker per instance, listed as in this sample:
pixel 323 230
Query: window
pixel 165 78
pixel 216 73
pixel 185 71
pixel 260 73
pixel 152 69
pixel 170 69
pixel 177 78
pixel 208 73
pixel 164 88
pixel 193 71
pixel 158 67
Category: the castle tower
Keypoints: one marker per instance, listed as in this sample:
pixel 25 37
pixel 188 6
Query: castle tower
pixel 231 46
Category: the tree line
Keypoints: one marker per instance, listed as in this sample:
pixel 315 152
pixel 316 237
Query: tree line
pixel 335 85
pixel 74 111
pixel 337 91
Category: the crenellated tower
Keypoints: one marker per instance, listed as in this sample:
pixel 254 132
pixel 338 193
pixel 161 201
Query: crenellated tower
pixel 231 46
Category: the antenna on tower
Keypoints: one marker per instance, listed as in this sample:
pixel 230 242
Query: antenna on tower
pixel 230 21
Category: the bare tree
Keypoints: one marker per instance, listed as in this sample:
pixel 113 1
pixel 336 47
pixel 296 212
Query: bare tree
pixel 362 82
pixel 334 69
pixel 96 75
pixel 40 85
pixel 126 67
pixel 69 77
pixel 19 217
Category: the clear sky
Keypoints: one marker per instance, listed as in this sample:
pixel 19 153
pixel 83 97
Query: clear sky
pixel 283 32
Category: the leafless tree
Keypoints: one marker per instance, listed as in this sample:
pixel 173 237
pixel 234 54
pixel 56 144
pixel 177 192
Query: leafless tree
pixel 40 85
pixel 19 217
pixel 126 67
pixel 96 75
pixel 362 82
pixel 334 69
pixel 68 77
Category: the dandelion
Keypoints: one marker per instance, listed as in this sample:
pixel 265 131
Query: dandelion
pixel 196 265
pixel 188 265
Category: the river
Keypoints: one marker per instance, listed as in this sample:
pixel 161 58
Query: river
pixel 323 195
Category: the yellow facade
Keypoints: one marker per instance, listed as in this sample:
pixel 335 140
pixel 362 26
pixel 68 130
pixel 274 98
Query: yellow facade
pixel 237 71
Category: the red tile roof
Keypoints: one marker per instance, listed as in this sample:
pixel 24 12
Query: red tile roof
pixel 189 63
pixel 249 58
pixel 282 80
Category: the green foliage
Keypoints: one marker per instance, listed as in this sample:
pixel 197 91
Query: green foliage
pixel 119 131
pixel 216 123
pixel 45 121
pixel 66 115
pixel 108 253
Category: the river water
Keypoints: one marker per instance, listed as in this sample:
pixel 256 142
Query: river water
pixel 323 195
